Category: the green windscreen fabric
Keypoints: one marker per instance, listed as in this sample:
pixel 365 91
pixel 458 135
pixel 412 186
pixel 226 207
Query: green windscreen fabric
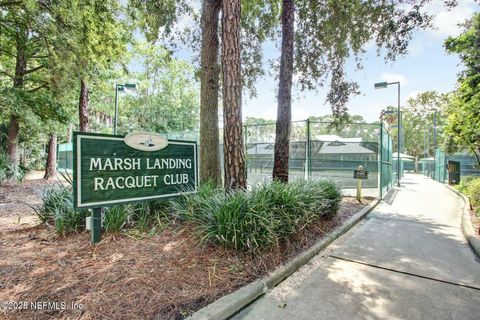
pixel 386 162
pixel 318 150
pixel 440 169
pixel 65 156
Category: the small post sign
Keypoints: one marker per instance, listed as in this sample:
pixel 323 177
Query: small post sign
pixel 360 174
pixel 110 170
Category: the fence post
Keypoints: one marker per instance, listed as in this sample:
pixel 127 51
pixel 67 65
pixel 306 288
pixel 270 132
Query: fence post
pixel 245 149
pixel 381 161
pixel 309 153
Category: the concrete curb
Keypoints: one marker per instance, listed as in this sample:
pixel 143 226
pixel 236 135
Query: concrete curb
pixel 467 226
pixel 230 304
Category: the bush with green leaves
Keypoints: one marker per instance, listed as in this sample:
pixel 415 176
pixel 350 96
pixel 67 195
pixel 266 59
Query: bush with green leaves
pixel 464 183
pixel 474 193
pixel 116 217
pixel 471 187
pixel 142 217
pixel 57 208
pixel 261 218
pixel 10 171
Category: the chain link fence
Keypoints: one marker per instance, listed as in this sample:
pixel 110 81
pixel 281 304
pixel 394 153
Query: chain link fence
pixel 318 150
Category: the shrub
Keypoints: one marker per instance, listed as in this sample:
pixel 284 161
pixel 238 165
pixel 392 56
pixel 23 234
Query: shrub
pixel 474 192
pixel 57 207
pixel 471 187
pixel 464 183
pixel 10 171
pixel 116 217
pixel 69 220
pixel 190 206
pixel 259 219
pixel 142 216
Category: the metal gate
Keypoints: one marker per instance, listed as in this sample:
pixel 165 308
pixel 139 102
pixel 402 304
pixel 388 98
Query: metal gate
pixel 453 168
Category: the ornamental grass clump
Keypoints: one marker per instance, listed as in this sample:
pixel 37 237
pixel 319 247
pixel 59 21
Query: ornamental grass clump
pixel 262 218
pixel 57 208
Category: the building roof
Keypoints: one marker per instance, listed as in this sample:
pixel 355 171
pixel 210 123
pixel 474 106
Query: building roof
pixel 260 148
pixel 340 147
pixel 403 156
pixel 332 147
pixel 334 137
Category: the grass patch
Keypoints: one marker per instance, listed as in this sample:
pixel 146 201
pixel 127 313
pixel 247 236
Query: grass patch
pixel 262 218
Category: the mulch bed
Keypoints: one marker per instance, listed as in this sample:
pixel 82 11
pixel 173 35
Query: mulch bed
pixel 167 276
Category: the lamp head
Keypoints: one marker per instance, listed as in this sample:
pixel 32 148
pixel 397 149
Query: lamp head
pixel 380 85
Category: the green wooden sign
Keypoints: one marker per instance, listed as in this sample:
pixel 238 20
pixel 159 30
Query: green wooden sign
pixel 110 169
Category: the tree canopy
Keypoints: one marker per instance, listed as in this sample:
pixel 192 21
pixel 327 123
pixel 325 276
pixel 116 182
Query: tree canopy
pixel 463 125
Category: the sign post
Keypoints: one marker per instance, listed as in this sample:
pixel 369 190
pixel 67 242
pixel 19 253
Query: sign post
pixel 110 170
pixel 360 174
pixel 359 190
pixel 96 232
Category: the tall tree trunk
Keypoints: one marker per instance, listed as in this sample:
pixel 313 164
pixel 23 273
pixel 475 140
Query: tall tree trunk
pixel 83 106
pixel 69 133
pixel 234 157
pixel 51 167
pixel 476 153
pixel 18 80
pixel 284 110
pixel 13 131
pixel 209 85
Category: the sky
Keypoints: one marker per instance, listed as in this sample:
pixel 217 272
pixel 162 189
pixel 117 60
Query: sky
pixel 426 66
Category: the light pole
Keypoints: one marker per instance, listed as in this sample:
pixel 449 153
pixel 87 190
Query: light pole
pixel 120 87
pixel 383 85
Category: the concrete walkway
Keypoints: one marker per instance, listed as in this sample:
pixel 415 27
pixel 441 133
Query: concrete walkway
pixel 408 261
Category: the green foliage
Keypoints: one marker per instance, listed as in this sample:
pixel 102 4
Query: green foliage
pixel 138 219
pixel 418 118
pixel 151 216
pixel 42 104
pixel 471 187
pixel 158 18
pixel 69 220
pixel 474 193
pixel 36 91
pixel 258 220
pixel 116 217
pixel 463 125
pixel 94 36
pixel 329 32
pixel 464 183
pixel 259 21
pixel 57 208
pixel 9 171
pixel 167 96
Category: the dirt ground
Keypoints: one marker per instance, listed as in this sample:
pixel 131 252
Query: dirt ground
pixel 167 276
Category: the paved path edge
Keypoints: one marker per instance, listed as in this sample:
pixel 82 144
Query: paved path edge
pixel 230 304
pixel 467 226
